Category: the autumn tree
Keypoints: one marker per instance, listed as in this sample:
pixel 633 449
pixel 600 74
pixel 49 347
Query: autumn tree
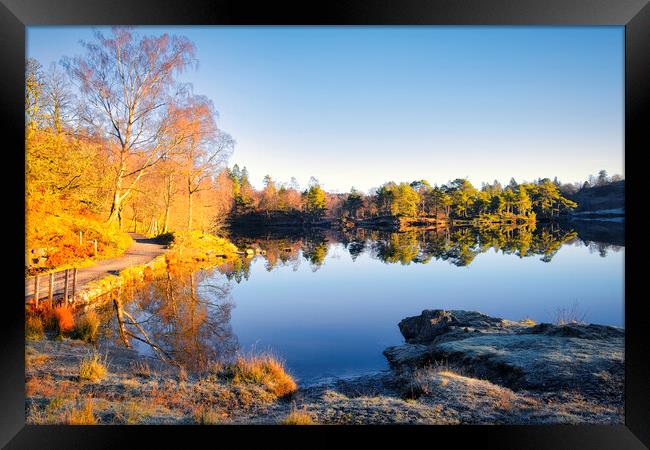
pixel 314 202
pixel 125 82
pixel 202 146
pixel 269 195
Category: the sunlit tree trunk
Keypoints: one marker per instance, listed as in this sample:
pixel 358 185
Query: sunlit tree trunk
pixel 190 195
pixel 168 202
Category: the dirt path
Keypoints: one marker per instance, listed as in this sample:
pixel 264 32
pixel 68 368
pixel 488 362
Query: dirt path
pixel 142 251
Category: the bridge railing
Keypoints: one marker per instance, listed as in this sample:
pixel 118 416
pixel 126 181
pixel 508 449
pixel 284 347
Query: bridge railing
pixel 59 285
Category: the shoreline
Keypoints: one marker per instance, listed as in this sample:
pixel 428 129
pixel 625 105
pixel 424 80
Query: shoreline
pixel 435 377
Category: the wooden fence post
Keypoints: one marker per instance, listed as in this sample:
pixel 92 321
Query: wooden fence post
pixel 65 286
pixel 36 289
pixel 51 288
pixel 74 282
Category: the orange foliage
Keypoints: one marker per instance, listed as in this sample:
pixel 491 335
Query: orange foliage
pixel 68 249
pixel 64 318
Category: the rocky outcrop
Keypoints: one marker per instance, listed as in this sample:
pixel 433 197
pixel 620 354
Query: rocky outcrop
pixel 584 358
pixel 437 324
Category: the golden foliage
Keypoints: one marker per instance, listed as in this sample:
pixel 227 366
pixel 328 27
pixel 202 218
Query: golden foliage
pixel 298 417
pixel 83 415
pixel 92 368
pixel 262 370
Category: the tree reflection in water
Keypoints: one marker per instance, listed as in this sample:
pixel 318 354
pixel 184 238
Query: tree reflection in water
pixel 458 246
pixel 184 316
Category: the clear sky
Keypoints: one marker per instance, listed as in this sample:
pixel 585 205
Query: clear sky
pixel 359 106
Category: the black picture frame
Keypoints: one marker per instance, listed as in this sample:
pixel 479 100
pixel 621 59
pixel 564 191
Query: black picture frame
pixel 15 15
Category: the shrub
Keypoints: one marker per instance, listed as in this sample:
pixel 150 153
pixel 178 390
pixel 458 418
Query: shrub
pixel 92 368
pixel 46 314
pixel 34 328
pixel 263 370
pixel 64 318
pixel 298 417
pixel 86 328
pixel 83 415
pixel 165 238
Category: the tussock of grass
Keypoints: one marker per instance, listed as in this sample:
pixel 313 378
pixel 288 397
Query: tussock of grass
pixel 262 370
pixel 34 328
pixel 86 327
pixel 64 317
pixel 298 417
pixel 83 415
pixel 92 368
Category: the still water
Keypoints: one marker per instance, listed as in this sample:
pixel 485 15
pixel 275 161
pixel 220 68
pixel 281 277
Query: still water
pixel 328 303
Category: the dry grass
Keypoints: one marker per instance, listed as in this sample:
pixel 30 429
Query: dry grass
pixel 64 318
pixel 419 382
pixel 262 370
pixel 86 327
pixel 208 416
pixel 43 386
pixel 92 368
pixel 62 410
pixel 36 359
pixel 131 412
pixel 573 314
pixel 83 415
pixel 504 399
pixel 298 417
pixel 141 369
pixel 34 328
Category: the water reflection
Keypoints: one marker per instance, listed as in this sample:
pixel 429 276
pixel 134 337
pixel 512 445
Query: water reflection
pixel 459 246
pixel 185 316
pixel 182 317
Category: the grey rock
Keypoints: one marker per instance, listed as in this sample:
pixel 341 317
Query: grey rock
pixel 433 324
pixel 576 357
pixel 411 355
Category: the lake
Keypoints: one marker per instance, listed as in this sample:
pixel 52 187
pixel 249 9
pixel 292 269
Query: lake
pixel 328 302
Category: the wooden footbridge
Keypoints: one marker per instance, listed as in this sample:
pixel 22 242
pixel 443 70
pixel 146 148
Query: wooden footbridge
pixel 64 285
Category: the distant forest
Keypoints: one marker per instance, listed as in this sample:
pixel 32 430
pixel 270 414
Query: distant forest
pixel 542 198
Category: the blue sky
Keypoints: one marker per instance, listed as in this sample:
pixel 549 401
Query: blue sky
pixel 359 106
